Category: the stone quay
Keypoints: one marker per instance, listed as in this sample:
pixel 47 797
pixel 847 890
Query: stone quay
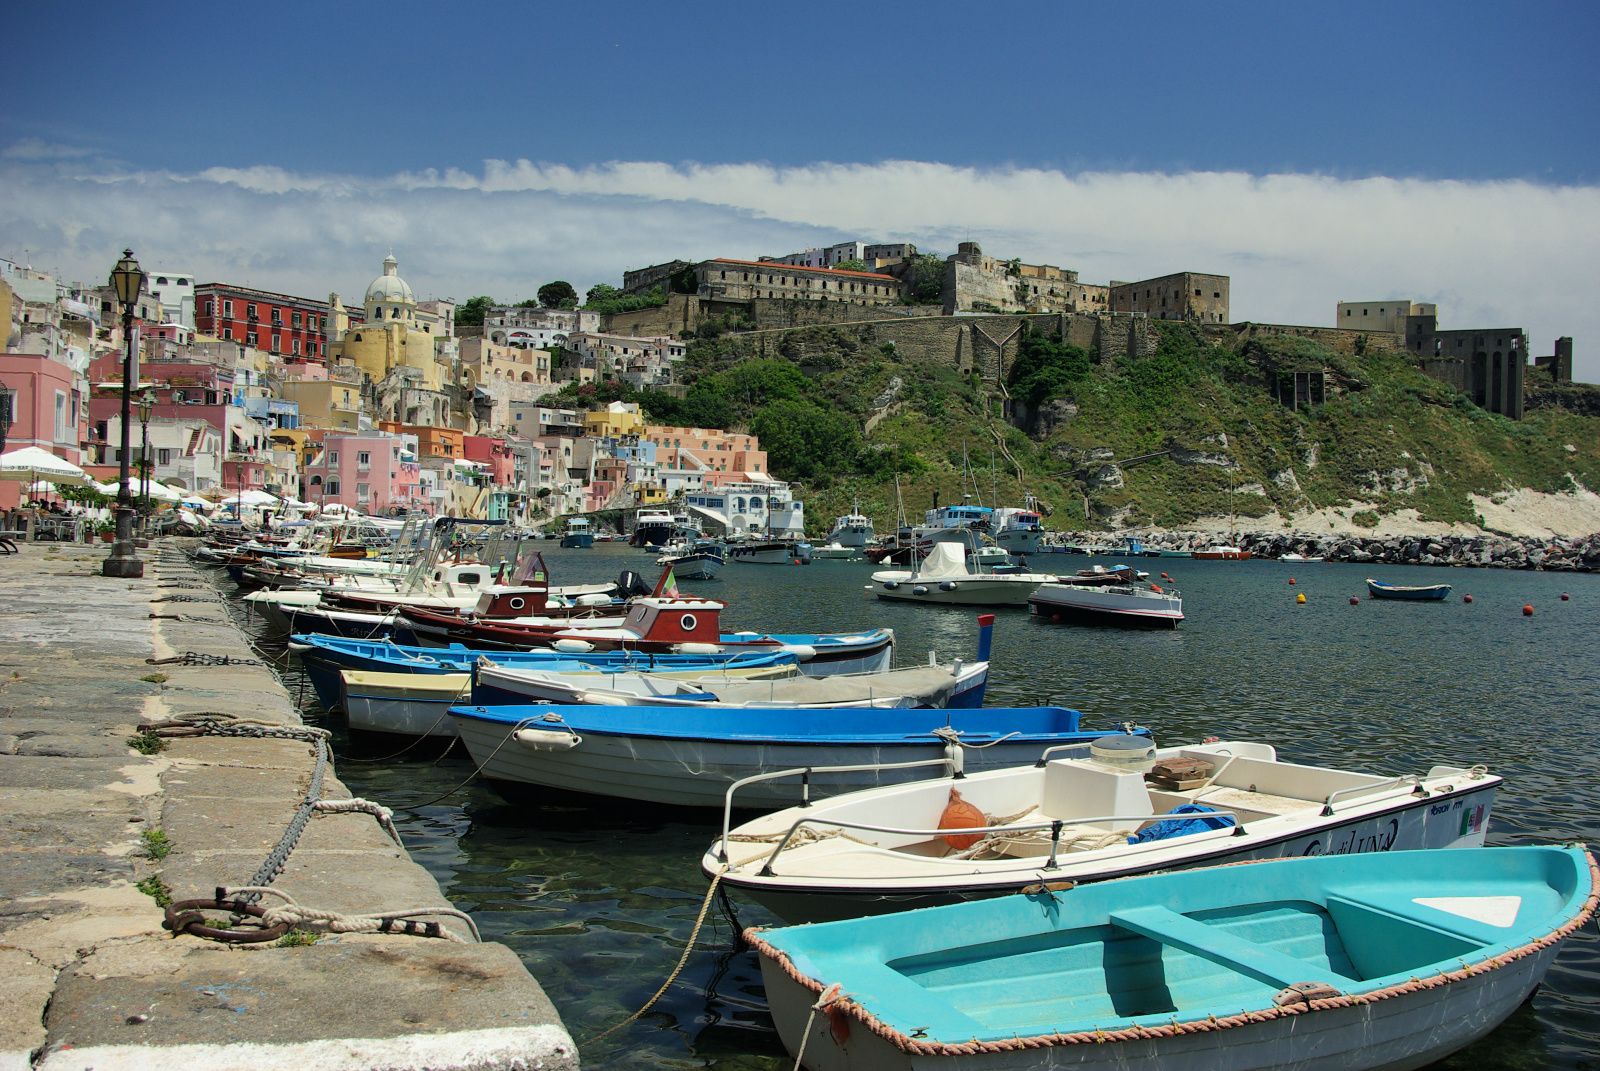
pixel 103 821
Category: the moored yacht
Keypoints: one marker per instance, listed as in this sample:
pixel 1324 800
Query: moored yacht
pixel 854 529
pixel 652 527
pixel 955 524
pixel 1018 531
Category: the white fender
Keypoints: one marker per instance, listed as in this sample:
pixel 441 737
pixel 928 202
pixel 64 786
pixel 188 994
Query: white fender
pixel 576 646
pixel 696 648
pixel 547 739
pixel 802 652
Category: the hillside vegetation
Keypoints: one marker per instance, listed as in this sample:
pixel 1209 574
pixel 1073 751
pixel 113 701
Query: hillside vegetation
pixel 1065 428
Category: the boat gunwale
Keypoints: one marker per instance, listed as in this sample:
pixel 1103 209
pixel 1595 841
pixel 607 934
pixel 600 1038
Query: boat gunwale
pixel 924 1047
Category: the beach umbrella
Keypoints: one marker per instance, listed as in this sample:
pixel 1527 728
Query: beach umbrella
pixel 30 463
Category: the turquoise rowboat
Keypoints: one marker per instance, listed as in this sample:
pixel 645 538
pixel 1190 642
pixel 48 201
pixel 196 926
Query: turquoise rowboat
pixel 1377 961
pixel 1409 593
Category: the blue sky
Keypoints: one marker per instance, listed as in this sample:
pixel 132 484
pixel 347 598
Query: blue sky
pixel 1446 152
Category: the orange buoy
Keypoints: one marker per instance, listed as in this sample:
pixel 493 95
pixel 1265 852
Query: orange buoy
pixel 1466 598
pixel 959 814
pixel 1300 599
pixel 1156 588
pixel 1527 609
pixel 1354 600
pixel 1164 576
pixel 1565 596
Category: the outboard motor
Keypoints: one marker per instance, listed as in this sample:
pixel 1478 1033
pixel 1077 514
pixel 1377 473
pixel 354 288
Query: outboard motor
pixel 630 583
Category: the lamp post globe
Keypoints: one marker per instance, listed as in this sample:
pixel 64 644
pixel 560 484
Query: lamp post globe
pixel 127 280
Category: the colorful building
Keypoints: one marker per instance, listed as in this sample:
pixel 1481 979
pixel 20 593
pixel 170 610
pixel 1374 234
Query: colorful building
pixel 282 324
pixel 370 472
pixel 45 401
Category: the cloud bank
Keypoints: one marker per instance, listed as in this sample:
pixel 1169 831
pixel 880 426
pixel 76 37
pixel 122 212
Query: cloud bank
pixel 1490 254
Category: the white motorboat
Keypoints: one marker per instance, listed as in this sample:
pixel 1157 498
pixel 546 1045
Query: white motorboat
pixel 695 559
pixel 1078 819
pixel 1111 598
pixel 954 523
pixel 1018 531
pixel 944 578
pixel 837 552
pixel 1293 557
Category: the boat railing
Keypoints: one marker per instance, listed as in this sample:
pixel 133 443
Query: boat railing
pixel 1054 825
pixel 1044 756
pixel 1393 782
pixel 805 772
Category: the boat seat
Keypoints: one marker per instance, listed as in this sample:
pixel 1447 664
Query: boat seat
pixel 1423 916
pixel 1208 942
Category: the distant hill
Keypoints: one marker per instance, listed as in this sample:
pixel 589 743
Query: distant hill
pixel 1188 432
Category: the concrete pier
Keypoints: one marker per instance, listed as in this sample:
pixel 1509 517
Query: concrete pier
pixel 95 830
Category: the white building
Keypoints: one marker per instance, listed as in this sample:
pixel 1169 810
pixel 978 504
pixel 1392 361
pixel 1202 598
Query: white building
pixel 175 291
pixel 871 254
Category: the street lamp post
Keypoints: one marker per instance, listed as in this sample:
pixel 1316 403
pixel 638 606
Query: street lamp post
pixel 147 404
pixel 127 279
pixel 5 415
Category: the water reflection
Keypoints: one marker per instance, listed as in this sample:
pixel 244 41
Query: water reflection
pixel 600 902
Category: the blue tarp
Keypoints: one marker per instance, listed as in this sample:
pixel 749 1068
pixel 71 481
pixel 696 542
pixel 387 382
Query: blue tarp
pixel 1182 827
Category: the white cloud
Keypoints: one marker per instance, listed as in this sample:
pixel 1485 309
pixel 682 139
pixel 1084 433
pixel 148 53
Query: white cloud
pixel 1490 254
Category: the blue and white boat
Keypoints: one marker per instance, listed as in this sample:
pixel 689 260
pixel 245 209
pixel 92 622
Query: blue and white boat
pixel 1086 814
pixel 1410 593
pixel 955 523
pixel 667 755
pixel 323 657
pixel 1351 962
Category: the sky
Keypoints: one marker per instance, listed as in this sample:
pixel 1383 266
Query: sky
pixel 1360 151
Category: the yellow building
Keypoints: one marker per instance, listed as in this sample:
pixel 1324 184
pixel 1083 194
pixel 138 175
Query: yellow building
pixel 393 335
pixel 615 421
pixel 324 403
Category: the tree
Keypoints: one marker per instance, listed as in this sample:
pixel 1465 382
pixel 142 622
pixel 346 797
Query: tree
pixel 601 292
pixel 853 264
pixel 470 312
pixel 803 440
pixel 558 295
pixel 924 279
pixel 529 303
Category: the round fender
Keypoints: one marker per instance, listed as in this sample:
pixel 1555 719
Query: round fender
pixel 801 651
pixel 696 648
pixel 920 589
pixel 947 585
pixel 890 585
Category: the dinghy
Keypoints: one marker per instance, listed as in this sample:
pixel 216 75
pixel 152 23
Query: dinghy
pixel 778 756
pixel 1409 593
pixel 943 577
pixel 1350 962
pixel 1084 817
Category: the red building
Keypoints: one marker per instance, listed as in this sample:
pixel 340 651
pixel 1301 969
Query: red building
pixel 292 327
pixel 493 453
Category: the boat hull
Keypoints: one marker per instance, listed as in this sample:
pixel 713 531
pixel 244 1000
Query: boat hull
pixel 1368 963
pixel 986 591
pixel 577 541
pixel 769 553
pixel 695 771
pixel 1106 606
pixel 1402 593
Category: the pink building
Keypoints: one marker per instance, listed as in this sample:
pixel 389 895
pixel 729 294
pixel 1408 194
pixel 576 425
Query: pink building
pixel 44 399
pixel 495 455
pixel 371 473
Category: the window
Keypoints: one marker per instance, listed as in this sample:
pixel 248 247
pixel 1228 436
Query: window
pixel 333 487
pixel 227 333
pixel 250 312
pixel 64 419
pixel 183 282
pixel 227 309
pixel 161 280
pixel 163 456
pixel 363 459
pixel 296 346
pixel 211 306
pixel 333 457
pixel 363 490
pixel 250 338
pixel 277 342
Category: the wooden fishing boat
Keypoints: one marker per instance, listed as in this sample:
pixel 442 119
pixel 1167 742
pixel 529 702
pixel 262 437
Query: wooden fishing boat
pixel 1386 960
pixel 416 704
pixel 322 657
pixel 661 625
pixel 1222 552
pixel 1409 593
pixel 1072 818
pixel 667 755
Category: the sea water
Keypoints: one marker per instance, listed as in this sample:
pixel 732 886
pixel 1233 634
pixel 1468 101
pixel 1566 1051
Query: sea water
pixel 600 901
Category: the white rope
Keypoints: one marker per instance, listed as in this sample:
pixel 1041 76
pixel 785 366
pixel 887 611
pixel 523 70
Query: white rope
pixel 824 998
pixel 383 814
pixel 292 914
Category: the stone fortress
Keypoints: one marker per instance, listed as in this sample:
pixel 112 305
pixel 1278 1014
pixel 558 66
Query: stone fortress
pixel 985 302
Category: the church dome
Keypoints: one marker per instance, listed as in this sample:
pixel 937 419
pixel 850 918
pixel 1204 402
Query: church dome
pixel 389 288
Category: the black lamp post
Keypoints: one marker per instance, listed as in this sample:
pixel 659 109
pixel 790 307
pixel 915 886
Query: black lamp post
pixel 147 404
pixel 5 415
pixel 127 279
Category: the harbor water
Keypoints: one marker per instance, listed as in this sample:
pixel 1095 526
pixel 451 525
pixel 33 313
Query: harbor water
pixel 600 901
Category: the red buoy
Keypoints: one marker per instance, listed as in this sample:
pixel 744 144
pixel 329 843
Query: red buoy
pixel 1291 580
pixel 1164 576
pixel 1527 609
pixel 1466 598
pixel 1354 600
pixel 1565 596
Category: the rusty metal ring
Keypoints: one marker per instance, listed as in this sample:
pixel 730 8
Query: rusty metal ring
pixel 184 916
